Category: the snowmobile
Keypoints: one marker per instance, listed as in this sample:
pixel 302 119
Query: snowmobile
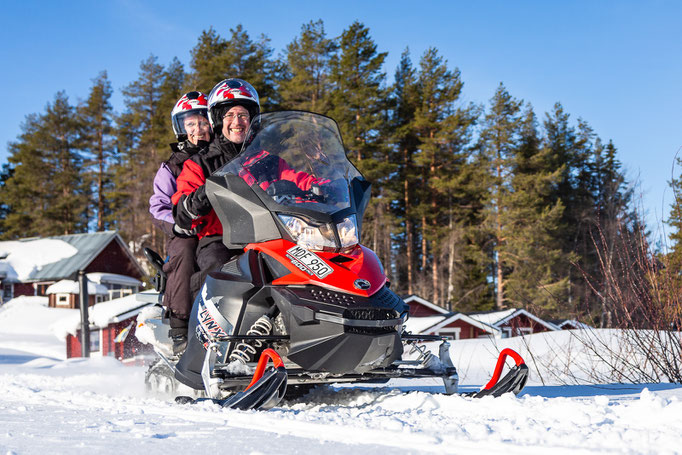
pixel 304 294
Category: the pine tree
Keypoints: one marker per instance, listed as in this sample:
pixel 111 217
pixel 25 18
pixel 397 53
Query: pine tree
pixel 253 62
pixel 5 174
pixel 98 143
pixel 45 193
pixel 358 107
pixel 206 64
pixel 674 256
pixel 24 189
pixel 404 101
pixel 215 58
pixel 499 141
pixel 68 206
pixel 444 132
pixel 533 219
pixel 142 135
pixel 306 83
pixel 171 89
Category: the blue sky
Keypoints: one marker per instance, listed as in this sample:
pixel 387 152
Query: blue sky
pixel 616 64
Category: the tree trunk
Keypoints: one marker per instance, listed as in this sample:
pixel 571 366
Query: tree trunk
pixel 408 230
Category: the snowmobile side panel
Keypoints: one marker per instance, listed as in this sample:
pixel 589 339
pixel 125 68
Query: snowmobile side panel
pixel 227 293
pixel 244 217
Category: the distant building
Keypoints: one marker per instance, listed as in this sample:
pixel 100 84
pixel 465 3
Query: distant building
pixel 430 319
pixel 112 330
pixel 31 266
pixel 422 308
pixel 569 324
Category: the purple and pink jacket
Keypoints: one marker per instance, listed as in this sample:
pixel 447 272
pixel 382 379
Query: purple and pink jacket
pixel 165 183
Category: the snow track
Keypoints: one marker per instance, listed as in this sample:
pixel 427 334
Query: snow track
pixel 98 404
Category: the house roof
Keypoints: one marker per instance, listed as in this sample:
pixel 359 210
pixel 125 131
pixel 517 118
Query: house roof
pixel 498 318
pixel 426 303
pixel 564 322
pixel 63 255
pixel 466 318
pixel 491 318
pixel 73 287
pixel 102 314
pixel 420 324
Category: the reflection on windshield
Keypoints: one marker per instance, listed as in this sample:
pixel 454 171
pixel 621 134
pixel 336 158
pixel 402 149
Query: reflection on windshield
pixel 297 158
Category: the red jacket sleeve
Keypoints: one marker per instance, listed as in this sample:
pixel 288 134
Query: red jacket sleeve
pixel 191 178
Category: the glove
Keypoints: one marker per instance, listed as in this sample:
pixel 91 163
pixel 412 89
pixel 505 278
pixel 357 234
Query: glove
pixel 198 202
pixel 190 207
pixel 185 233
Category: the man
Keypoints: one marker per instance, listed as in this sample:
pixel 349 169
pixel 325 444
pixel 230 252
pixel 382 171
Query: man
pixel 231 105
pixel 189 119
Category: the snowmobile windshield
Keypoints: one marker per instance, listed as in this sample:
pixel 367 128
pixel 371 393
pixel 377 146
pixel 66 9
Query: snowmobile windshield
pixel 298 159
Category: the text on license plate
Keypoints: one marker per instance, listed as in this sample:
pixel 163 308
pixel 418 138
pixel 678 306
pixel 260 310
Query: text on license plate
pixel 308 262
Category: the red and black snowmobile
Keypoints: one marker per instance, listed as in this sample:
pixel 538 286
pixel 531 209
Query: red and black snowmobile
pixel 305 294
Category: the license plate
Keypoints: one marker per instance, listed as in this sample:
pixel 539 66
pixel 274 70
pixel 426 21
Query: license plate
pixel 308 262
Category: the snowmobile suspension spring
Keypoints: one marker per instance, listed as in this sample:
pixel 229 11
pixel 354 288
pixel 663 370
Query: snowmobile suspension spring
pixel 424 353
pixel 245 350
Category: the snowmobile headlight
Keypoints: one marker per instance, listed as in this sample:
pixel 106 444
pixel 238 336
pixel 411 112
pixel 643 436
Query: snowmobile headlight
pixel 310 236
pixel 348 232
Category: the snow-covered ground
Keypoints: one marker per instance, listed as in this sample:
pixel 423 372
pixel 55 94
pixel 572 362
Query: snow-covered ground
pixel 52 405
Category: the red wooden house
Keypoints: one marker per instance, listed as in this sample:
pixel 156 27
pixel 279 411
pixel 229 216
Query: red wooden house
pixel 29 266
pixel 112 331
pixel 427 318
pixel 420 308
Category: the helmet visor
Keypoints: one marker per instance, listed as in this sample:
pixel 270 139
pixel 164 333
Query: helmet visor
pixel 193 124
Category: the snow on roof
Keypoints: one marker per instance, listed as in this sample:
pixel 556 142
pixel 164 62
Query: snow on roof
pixel 30 315
pixel 426 303
pixel 419 325
pixel 24 258
pixel 73 287
pixel 101 315
pixel 113 278
pixel 493 317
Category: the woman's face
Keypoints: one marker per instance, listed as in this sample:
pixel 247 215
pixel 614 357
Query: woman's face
pixel 235 123
pixel 197 128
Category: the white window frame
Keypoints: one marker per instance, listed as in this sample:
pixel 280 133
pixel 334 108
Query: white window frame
pixel 454 332
pixel 96 342
pixel 58 302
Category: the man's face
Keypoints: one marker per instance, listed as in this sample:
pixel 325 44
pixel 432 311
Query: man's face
pixel 197 128
pixel 235 123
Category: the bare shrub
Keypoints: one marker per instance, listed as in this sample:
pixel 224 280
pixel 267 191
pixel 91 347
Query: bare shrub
pixel 640 294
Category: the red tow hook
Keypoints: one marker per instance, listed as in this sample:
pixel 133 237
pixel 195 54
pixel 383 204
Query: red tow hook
pixel 268 354
pixel 500 364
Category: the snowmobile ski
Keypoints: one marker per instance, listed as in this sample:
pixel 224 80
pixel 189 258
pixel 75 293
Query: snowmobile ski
pixel 267 388
pixel 513 381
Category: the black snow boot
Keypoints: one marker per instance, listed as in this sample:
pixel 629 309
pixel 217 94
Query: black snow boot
pixel 178 334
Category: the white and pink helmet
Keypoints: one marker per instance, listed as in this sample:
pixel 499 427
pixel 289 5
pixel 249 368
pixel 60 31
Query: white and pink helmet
pixel 228 93
pixel 191 103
